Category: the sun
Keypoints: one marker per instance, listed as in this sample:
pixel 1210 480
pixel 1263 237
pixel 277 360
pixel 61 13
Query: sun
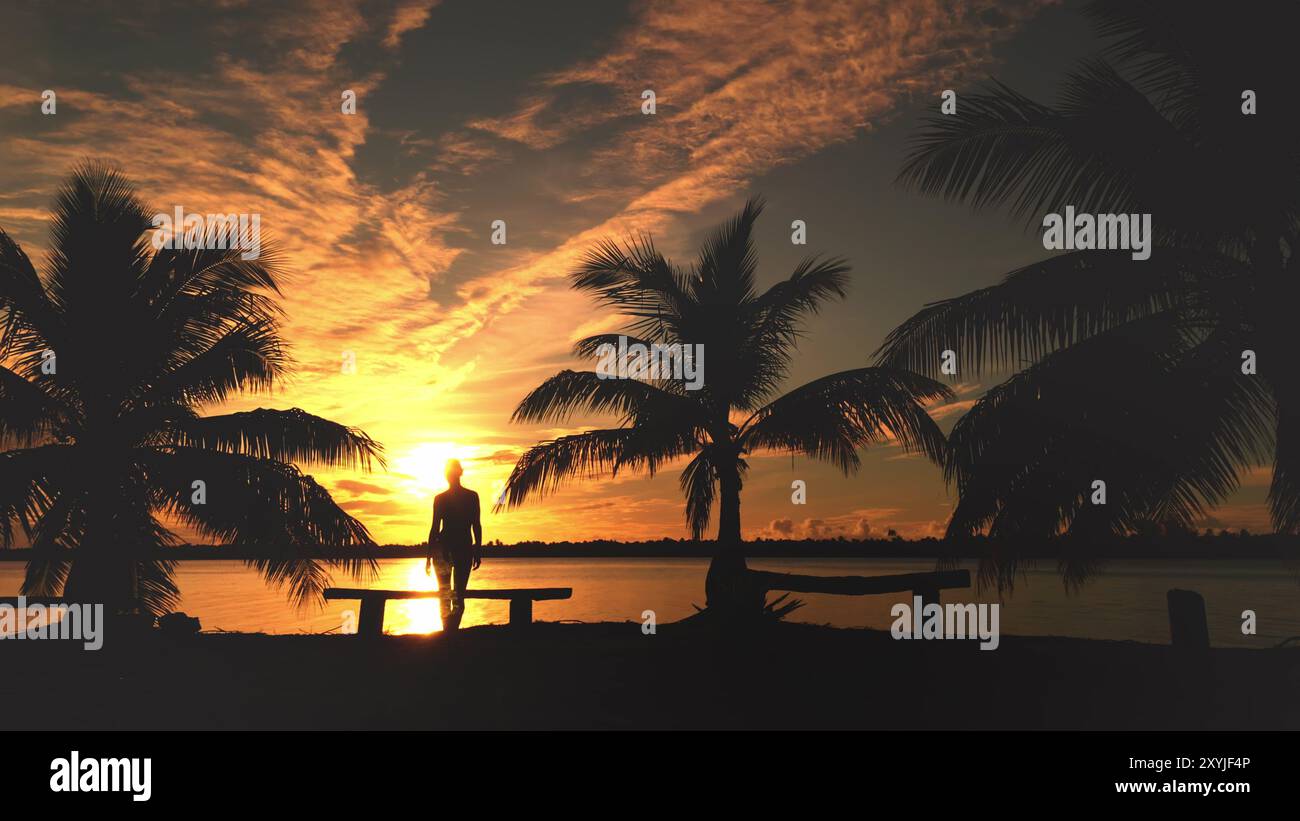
pixel 424 466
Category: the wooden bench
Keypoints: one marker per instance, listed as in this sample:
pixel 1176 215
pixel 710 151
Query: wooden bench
pixel 924 585
pixel 373 602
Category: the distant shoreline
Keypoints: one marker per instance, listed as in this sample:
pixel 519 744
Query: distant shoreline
pixel 1183 546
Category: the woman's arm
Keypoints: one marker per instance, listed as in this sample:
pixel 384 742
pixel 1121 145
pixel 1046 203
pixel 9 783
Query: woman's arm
pixel 433 537
pixel 476 525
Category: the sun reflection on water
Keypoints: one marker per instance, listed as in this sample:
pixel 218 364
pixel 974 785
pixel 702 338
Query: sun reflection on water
pixel 413 615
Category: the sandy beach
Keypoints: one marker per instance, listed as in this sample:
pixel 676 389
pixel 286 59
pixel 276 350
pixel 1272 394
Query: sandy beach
pixel 611 676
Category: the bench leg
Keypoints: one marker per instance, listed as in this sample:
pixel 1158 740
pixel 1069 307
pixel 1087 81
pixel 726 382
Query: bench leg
pixel 372 617
pixel 521 612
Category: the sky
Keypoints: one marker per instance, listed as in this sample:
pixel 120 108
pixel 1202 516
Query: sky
pixel 472 111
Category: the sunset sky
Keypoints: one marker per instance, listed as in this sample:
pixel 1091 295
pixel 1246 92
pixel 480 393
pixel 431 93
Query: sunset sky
pixel 470 111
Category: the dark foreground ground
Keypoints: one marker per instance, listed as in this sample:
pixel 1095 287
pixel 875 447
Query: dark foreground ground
pixel 612 676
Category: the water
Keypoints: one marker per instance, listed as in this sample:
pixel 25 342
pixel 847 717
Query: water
pixel 1127 602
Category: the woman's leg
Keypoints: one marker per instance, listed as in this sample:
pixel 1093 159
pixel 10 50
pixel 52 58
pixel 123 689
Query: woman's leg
pixel 442 568
pixel 460 576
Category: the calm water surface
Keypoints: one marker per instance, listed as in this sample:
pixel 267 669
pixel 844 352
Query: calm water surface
pixel 1127 602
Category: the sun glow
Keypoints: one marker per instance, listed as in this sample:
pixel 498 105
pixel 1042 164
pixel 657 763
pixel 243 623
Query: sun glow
pixel 423 467
pixel 416 615
pixel 421 470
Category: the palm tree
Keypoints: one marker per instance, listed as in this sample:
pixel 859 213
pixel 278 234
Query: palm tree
pixel 108 356
pixel 1129 372
pixel 749 339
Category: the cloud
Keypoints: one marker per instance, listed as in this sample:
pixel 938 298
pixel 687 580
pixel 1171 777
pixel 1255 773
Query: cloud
pixel 782 528
pixel 501 457
pixel 857 524
pixel 389 263
pixel 358 488
pixel 367 507
pixel 408 16
pixel 746 87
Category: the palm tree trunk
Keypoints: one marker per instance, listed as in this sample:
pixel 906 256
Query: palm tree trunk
pixel 104 571
pixel 727 587
pixel 94 578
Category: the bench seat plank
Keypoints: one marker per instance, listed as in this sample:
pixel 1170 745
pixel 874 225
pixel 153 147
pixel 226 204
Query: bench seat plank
pixel 534 593
pixel 929 583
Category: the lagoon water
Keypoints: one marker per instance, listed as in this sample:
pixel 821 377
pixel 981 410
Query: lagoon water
pixel 1125 602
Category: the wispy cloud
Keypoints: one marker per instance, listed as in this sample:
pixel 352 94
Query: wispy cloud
pixel 391 268
pixel 408 16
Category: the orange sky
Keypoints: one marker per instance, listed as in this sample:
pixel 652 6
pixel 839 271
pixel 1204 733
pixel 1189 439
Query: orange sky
pixel 387 226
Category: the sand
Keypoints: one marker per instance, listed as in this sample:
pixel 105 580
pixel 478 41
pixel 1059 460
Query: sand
pixel 612 676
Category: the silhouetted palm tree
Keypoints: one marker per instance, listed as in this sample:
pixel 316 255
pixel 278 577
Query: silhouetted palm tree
pixel 108 354
pixel 1129 372
pixel 748 339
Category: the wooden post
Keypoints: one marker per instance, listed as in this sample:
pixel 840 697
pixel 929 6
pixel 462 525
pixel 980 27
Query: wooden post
pixel 1188 628
pixel 372 616
pixel 521 611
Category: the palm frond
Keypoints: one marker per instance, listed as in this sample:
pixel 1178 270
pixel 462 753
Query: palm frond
pixel 728 262
pixel 569 392
pixel 1053 304
pixel 545 467
pixel 26 313
pixel 264 503
pixel 1025 457
pixel 814 282
pixel 46 572
pixel 156 587
pixel 280 435
pixel 699 483
pixel 589 347
pixel 59 529
pixel 99 245
pixel 203 296
pixel 248 357
pixel 27 413
pixel 177 278
pixel 1185 54
pixel 29 478
pixel 832 417
pixel 636 280
pixel 773 323
pixel 1105 149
